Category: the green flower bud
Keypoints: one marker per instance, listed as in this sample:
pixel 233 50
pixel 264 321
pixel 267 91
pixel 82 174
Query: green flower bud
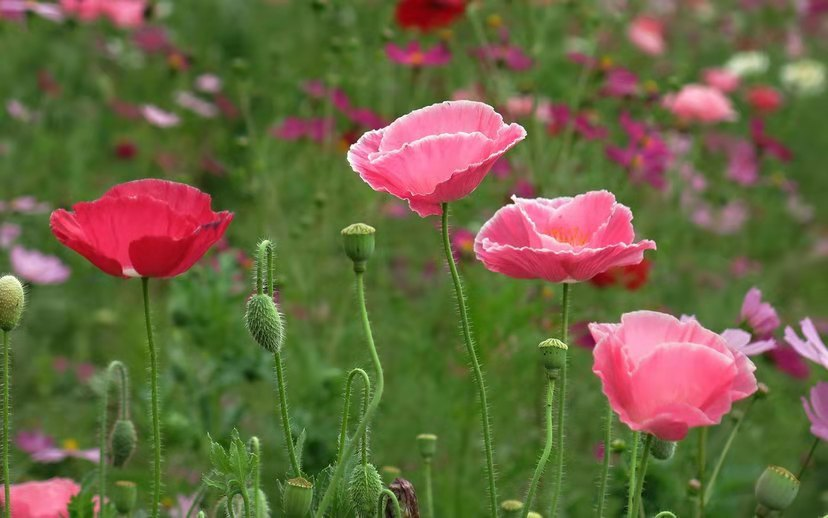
pixel 297 498
pixel 618 445
pixel 12 300
pixel 390 474
pixel 358 242
pixel 124 496
pixel 693 486
pixel 122 442
pixel 511 508
pixel 665 514
pixel 553 356
pixel 533 514
pixel 264 322
pixel 662 450
pixel 365 489
pixel 776 490
pixel 262 506
pixel 427 442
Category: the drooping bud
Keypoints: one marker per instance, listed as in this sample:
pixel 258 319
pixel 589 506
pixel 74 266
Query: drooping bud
pixel 553 356
pixel 390 473
pixel 122 442
pixel 427 442
pixel 776 489
pixel 297 497
pixel 364 489
pixel 264 322
pixel 358 242
pixel 406 496
pixel 124 496
pixel 12 301
pixel 511 508
pixel 662 450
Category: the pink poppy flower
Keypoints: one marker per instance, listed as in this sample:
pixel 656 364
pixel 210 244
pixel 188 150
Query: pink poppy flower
pixel 38 268
pixel 647 34
pixel 126 14
pixel 817 410
pixel 42 499
pixel 721 79
pixel 760 316
pixel 699 103
pixel 812 347
pixel 413 55
pixel 434 155
pixel 560 240
pixel 42 448
pixel 664 376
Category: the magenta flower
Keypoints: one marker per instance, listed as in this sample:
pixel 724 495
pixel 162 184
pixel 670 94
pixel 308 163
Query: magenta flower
pixel 812 347
pixel 462 244
pixel 664 376
pixel 413 55
pixel 559 118
pixel 646 158
pixel 560 240
pixel 42 449
pixel 434 155
pixel 767 144
pixel 699 103
pixel 38 268
pixel 740 340
pixel 504 54
pixel 789 362
pixel 760 316
pixel 294 128
pixel 817 410
pixel 620 82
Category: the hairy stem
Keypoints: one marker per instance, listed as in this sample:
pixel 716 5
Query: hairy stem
pixel 429 492
pixel 605 468
pixel 156 416
pixel 395 503
pixel 561 417
pixel 636 438
pixel 283 409
pixel 343 429
pixel 6 411
pixel 639 482
pixel 547 447
pixel 701 461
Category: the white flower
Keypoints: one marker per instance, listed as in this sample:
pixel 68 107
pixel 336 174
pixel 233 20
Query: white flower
pixel 750 63
pixel 804 77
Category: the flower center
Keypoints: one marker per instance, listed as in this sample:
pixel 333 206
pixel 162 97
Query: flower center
pixel 572 236
pixel 70 444
pixel 416 58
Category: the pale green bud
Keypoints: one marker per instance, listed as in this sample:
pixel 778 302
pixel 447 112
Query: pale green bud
pixel 264 322
pixel 12 301
pixel 364 489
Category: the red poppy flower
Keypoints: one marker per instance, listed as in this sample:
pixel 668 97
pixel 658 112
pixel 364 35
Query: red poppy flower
pixel 428 14
pixel 145 228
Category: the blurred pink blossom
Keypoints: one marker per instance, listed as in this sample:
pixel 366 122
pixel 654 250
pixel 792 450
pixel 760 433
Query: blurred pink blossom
pixel 208 83
pixel 38 268
pixel 811 347
pixel 413 54
pixel 195 104
pixel 740 340
pixel 699 103
pixel 42 449
pixel 9 232
pixel 158 117
pixel 721 79
pixel 647 34
pixel 504 53
pixel 294 128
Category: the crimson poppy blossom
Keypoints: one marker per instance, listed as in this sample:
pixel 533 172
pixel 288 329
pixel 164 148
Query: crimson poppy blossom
pixel 428 14
pixel 145 228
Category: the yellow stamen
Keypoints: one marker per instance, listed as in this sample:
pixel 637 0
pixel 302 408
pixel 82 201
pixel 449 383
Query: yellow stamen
pixel 573 236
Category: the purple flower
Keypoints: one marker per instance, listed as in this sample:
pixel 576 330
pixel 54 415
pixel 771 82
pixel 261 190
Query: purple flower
pixel 817 410
pixel 812 346
pixel 620 82
pixel 38 268
pixel 767 144
pixel 9 232
pixel 760 316
pixel 742 163
pixel 504 53
pixel 413 55
pixel 646 157
pixel 42 449
pixel 295 128
pixel 739 340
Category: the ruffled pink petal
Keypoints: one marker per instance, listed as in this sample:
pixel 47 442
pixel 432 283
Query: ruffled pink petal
pixel 674 422
pixel 613 369
pixel 507 227
pixel 641 331
pixel 617 229
pixel 600 331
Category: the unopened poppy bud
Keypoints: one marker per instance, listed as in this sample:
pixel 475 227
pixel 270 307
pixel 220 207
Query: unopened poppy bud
pixel 124 496
pixel 533 514
pixel 511 508
pixel 264 322
pixel 12 300
pixel 662 450
pixel 427 442
pixel 123 442
pixel 358 241
pixel 776 490
pixel 553 355
pixel 407 498
pixel 297 497
pixel 365 489
pixel 390 473
pixel 618 445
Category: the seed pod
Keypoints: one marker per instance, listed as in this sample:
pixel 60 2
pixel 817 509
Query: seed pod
pixel 390 473
pixel 427 442
pixel 264 322
pixel 511 508
pixel 12 301
pixel 365 489
pixel 122 442
pixel 776 489
pixel 358 242
pixel 124 496
pixel 553 355
pixel 297 498
pixel 662 450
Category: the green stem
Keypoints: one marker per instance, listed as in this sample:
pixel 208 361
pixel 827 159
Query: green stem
pixel 6 411
pixel 395 503
pixel 246 499
pixel 547 448
pixel 708 490
pixel 283 408
pixel 636 438
pixel 476 370
pixel 639 483
pixel 807 461
pixel 701 460
pixel 429 492
pixel 256 448
pixel 561 417
pixel 343 429
pixel 156 420
pixel 605 468
pixel 372 407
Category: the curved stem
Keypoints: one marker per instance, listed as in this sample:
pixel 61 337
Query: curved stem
pixel 395 504
pixel 701 459
pixel 372 407
pixel 364 446
pixel 476 370
pixel 343 429
pixel 708 490
pixel 257 472
pixel 639 482
pixel 6 411
pixel 429 492
pixel 123 410
pixel 283 408
pixel 102 447
pixel 547 448
pixel 246 500
pixel 807 460
pixel 156 421
pixel 605 468
pixel 633 462
pixel 561 417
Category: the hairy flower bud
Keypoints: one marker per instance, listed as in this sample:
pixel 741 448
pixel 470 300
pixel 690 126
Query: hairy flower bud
pixel 662 450
pixel 297 497
pixel 122 442
pixel 12 300
pixel 553 356
pixel 364 489
pixel 511 508
pixel 264 322
pixel 124 496
pixel 358 242
pixel 776 489
pixel 427 442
